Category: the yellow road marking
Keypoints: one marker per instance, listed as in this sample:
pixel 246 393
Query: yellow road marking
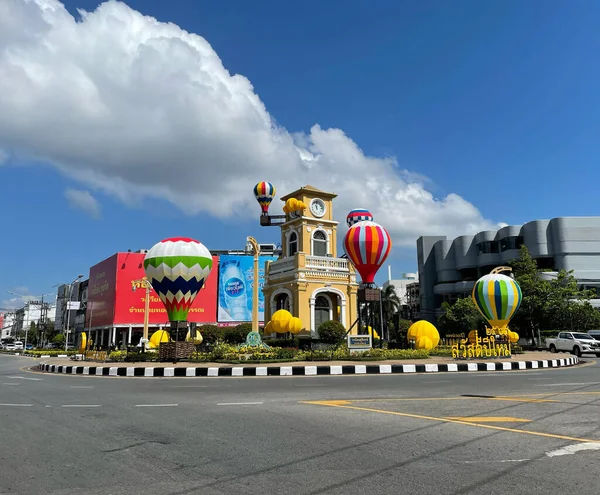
pixel 447 420
pixel 408 399
pixel 490 419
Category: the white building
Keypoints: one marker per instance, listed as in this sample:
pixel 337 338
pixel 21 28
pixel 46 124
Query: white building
pixel 400 285
pixel 32 312
pixel 7 321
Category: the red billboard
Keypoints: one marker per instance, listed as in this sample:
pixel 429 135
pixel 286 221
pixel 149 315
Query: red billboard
pixel 101 293
pixel 126 306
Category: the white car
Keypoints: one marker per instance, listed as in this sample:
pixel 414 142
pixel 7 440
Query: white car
pixel 9 347
pixel 18 345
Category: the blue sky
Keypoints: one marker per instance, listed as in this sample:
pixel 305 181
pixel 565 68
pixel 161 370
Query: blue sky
pixel 494 101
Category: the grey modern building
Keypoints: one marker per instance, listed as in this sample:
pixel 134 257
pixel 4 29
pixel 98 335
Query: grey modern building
pixel 448 268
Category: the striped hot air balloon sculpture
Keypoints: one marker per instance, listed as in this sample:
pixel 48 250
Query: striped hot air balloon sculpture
pixel 264 193
pixel 498 298
pixel 367 244
pixel 358 215
pixel 177 269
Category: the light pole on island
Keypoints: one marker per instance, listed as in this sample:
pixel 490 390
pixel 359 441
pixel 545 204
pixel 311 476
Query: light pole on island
pixel 144 283
pixel 69 309
pixel 255 249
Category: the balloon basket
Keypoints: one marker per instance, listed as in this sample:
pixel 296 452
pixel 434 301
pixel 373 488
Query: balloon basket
pixel 175 351
pixel 368 294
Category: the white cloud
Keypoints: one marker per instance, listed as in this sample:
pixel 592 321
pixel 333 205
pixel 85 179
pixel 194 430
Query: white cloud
pixel 84 201
pixel 139 108
pixel 3 157
pixel 18 299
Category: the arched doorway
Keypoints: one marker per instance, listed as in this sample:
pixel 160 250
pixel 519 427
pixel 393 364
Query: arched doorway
pixel 323 310
pixel 282 301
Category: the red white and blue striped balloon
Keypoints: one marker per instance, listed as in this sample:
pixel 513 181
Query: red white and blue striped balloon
pixel 264 192
pixel 367 244
pixel 358 215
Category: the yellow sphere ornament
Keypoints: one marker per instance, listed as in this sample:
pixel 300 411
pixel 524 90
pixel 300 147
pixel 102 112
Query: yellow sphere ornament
pixel 372 332
pixel 83 343
pixel 423 328
pixel 295 325
pixel 197 340
pixel 471 336
pixel 158 337
pixel 514 337
pixel 280 321
pixel 268 329
pixel 424 343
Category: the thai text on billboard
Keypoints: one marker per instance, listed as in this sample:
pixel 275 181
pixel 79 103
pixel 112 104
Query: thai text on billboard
pixel 112 300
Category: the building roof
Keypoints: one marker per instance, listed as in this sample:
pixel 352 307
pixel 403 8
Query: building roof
pixel 310 189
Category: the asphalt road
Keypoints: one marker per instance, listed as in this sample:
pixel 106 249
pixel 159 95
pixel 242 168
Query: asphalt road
pixel 530 432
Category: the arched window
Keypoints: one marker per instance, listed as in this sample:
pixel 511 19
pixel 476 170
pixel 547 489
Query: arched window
pixel 319 247
pixel 293 244
pixel 322 310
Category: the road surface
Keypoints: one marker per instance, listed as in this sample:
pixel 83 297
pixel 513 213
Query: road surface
pixel 530 432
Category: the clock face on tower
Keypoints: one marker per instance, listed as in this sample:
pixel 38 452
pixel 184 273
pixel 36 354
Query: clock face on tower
pixel 317 207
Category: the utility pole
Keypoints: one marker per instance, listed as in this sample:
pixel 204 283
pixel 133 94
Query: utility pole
pixel 29 303
pixel 69 309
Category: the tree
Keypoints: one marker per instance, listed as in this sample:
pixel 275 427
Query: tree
pixel 33 331
pixel 460 317
pixel 390 305
pixel 567 307
pixel 531 315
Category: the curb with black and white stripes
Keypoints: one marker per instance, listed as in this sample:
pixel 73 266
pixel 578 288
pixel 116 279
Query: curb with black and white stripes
pixel 350 369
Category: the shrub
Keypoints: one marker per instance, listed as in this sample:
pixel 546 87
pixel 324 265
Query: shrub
pixel 279 343
pixel 51 353
pixel 237 334
pixel 211 333
pixel 117 355
pixel 331 332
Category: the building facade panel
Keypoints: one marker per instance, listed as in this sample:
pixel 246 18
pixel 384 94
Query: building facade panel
pixel 445 273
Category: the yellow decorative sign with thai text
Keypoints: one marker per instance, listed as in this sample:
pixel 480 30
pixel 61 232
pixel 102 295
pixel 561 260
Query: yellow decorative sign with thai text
pixel 496 343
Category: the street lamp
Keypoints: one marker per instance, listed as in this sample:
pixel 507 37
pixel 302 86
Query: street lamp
pixel 144 283
pixel 41 302
pixel 254 248
pixel 79 277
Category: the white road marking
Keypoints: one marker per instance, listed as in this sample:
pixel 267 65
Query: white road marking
pixel 25 378
pixel 81 405
pixel 567 384
pixel 574 448
pixel 17 405
pixel 498 461
pixel 10 384
pixel 190 386
pixel 239 404
pixel 81 386
pixel 156 405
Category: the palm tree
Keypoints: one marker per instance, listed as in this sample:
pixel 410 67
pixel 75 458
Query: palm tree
pixel 390 305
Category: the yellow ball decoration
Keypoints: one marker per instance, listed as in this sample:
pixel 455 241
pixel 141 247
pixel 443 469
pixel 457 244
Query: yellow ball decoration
pixel 83 342
pixel 280 320
pixel 268 329
pixel 424 343
pixel 372 332
pixel 158 337
pixel 295 325
pixel 423 328
pixel 471 336
pixel 514 337
pixel 197 339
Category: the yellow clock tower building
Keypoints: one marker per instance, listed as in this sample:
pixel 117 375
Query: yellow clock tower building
pixel 309 279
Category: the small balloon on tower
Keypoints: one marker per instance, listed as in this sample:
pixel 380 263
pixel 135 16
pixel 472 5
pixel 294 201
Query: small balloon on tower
pixel 264 192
